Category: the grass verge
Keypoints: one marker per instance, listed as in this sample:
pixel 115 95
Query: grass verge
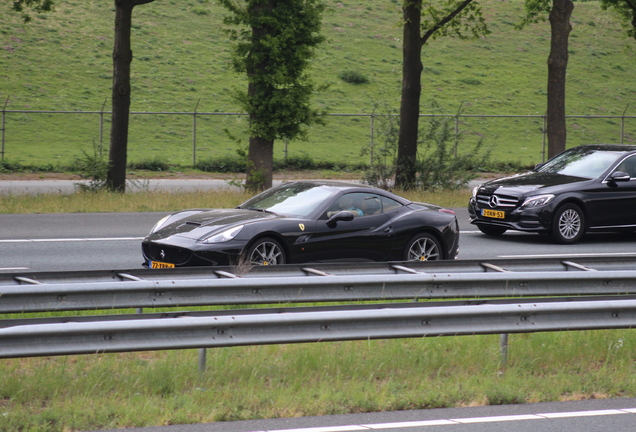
pixel 147 201
pixel 164 388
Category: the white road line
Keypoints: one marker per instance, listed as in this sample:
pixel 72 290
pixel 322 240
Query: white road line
pixel 456 421
pixel 71 240
pixel 13 268
pixel 596 254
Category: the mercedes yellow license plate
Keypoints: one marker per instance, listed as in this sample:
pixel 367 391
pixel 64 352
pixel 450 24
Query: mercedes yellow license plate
pixel 498 214
pixel 157 264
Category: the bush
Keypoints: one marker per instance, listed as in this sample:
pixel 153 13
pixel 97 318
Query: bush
pixel 224 164
pixel 296 163
pixel 353 77
pixel 440 166
pixel 155 164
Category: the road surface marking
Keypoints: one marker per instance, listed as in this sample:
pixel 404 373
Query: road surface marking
pixel 71 240
pixel 457 421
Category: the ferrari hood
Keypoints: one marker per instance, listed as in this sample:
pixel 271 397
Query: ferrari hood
pixel 207 222
pixel 521 184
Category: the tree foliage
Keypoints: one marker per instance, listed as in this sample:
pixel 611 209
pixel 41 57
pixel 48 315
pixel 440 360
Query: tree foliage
pixel 626 9
pixel 23 7
pixel 275 40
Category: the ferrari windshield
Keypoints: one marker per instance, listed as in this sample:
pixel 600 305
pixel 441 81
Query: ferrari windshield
pixel 581 162
pixel 295 199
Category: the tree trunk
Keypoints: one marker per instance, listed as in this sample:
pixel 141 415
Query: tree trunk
pixel 260 163
pixel 260 157
pixel 557 68
pixel 122 58
pixel 411 92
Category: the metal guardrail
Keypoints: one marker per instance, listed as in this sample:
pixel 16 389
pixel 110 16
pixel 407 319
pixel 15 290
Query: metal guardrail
pixel 412 320
pixel 583 280
pixel 383 281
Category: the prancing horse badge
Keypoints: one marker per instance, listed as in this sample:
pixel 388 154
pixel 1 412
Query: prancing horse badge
pixel 302 227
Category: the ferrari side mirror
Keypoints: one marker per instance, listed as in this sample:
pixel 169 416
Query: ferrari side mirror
pixel 340 216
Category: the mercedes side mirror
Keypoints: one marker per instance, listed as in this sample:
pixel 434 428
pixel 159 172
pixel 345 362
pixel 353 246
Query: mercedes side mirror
pixel 620 176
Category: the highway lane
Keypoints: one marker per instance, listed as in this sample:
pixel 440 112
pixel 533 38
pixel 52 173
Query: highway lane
pixel 97 241
pixel 617 415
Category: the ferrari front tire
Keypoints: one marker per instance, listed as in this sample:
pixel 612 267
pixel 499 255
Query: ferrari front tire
pixel 265 251
pixel 423 247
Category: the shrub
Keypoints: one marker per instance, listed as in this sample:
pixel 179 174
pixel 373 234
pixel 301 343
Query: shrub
pixel 223 164
pixel 155 164
pixel 353 77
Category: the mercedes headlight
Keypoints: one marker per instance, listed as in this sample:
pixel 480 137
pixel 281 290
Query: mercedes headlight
pixel 226 235
pixel 537 201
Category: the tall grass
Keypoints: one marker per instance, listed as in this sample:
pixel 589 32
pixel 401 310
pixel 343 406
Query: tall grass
pixel 162 388
pixel 96 202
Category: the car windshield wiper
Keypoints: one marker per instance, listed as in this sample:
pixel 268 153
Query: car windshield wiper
pixel 260 210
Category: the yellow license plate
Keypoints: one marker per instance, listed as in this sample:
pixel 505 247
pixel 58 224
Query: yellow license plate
pixel 493 213
pixel 157 265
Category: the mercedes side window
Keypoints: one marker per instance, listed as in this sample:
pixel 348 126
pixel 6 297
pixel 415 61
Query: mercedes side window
pixel 628 166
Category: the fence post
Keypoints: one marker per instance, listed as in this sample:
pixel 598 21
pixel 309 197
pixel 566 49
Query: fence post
pixel 101 128
pixel 371 143
pixel 623 124
pixel 194 134
pixel 457 115
pixel 4 109
pixel 544 131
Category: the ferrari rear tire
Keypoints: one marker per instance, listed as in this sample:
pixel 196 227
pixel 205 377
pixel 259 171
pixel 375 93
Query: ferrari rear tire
pixel 492 230
pixel 265 251
pixel 423 247
pixel 568 225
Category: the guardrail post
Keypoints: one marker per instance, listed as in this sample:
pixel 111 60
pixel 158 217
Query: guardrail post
pixel 203 355
pixel 503 349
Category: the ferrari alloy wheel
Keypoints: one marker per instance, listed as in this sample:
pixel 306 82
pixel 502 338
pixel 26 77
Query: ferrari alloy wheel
pixel 423 247
pixel 266 251
pixel 569 224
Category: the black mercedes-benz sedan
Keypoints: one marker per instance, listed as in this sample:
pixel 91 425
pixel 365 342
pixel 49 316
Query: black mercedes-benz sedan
pixel 305 221
pixel 590 188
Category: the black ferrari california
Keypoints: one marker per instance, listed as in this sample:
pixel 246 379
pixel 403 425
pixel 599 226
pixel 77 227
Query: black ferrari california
pixel 590 188
pixel 305 221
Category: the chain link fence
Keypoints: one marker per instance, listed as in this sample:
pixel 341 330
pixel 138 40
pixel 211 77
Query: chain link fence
pixel 38 137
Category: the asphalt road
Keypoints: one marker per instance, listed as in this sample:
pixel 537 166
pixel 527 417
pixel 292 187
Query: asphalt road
pixel 616 415
pixel 103 241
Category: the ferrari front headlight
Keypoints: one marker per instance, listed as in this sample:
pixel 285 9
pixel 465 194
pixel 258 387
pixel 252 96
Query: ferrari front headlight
pixel 224 236
pixel 159 224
